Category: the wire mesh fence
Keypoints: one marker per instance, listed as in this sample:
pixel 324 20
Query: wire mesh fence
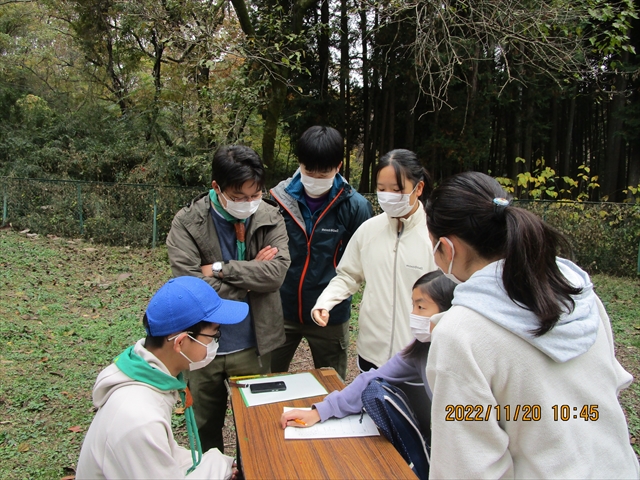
pixel 115 214
pixel 605 236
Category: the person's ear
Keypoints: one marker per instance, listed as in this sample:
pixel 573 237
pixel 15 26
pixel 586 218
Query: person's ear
pixel 339 167
pixel 419 188
pixel 215 186
pixel 447 248
pixel 178 340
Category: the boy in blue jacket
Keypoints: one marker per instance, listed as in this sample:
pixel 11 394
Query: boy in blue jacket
pixel 321 212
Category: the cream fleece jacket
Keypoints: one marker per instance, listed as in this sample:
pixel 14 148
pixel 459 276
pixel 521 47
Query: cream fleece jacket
pixel 483 360
pixel 389 261
pixel 130 437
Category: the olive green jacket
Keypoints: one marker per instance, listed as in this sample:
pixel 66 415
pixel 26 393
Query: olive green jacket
pixel 193 242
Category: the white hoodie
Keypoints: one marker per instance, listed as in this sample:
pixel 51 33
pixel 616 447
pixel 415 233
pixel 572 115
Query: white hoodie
pixel 130 436
pixel 484 359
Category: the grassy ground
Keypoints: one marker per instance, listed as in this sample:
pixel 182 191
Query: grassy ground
pixel 67 308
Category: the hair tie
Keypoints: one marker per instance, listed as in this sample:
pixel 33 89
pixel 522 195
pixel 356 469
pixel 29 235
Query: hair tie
pixel 499 205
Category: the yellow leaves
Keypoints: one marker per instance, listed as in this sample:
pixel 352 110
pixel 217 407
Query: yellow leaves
pixel 24 447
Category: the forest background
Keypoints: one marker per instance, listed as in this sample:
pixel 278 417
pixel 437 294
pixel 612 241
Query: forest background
pixel 536 93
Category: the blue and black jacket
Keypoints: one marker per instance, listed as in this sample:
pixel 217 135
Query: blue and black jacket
pixel 316 244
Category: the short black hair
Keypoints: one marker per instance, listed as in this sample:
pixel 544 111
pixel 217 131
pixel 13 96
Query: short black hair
pixel 158 342
pixel 320 148
pixel 234 165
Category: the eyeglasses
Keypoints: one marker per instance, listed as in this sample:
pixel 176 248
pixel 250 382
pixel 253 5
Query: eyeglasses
pixel 216 336
pixel 252 198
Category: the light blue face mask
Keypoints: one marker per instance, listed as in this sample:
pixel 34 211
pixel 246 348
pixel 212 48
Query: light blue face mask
pixel 448 274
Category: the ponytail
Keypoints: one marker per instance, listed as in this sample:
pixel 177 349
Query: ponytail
pixel 531 275
pixel 475 208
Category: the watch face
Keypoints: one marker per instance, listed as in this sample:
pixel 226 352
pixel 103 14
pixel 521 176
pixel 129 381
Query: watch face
pixel 216 267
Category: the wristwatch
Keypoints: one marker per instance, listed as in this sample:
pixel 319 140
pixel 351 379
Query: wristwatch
pixel 216 269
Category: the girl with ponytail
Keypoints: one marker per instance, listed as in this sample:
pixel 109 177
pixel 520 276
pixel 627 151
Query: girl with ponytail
pixel 526 351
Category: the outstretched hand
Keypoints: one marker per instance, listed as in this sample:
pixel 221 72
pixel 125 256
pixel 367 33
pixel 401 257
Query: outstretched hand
pixel 305 418
pixel 320 316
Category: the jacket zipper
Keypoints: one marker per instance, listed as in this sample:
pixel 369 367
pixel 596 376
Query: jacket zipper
pixel 395 286
pixel 306 263
pixel 308 237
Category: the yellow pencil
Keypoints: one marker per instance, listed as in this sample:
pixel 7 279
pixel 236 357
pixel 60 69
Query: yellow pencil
pixel 246 377
pixel 297 420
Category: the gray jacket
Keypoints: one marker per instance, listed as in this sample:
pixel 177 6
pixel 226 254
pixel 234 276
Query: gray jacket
pixel 193 242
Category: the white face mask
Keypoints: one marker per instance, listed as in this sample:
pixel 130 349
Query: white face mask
pixel 316 186
pixel 395 204
pixel 212 349
pixel 241 210
pixel 448 274
pixel 420 327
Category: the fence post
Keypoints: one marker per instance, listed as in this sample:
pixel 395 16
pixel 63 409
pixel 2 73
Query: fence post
pixel 80 208
pixel 155 218
pixel 638 258
pixel 4 205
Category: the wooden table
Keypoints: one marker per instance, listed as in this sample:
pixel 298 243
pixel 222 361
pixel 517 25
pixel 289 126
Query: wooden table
pixel 264 453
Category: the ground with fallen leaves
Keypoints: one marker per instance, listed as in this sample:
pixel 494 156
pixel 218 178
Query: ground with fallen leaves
pixel 68 307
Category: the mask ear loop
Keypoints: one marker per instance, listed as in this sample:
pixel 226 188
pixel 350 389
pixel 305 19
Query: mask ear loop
pixel 453 253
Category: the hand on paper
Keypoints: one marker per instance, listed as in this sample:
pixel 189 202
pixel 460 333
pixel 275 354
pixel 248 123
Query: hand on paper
pixel 320 316
pixel 310 417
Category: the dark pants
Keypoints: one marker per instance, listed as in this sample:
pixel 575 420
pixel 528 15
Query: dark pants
pixel 418 399
pixel 210 392
pixel 328 346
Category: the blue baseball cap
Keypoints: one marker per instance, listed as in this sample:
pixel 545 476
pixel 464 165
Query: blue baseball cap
pixel 184 301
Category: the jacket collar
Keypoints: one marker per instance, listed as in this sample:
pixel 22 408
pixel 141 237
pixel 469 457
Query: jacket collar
pixel 418 219
pixel 263 216
pixel 290 191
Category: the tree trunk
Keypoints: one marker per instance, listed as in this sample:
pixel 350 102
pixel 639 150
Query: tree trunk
pixel 410 125
pixel 344 83
pixel 552 161
pixel 323 47
pixel 614 159
pixel 271 116
pixel 514 135
pixel 366 105
pixel 565 161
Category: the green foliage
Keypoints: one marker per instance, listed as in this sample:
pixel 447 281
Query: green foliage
pixel 605 236
pixel 543 182
pixel 616 18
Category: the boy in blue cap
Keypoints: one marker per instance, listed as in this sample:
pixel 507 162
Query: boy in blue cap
pixel 130 436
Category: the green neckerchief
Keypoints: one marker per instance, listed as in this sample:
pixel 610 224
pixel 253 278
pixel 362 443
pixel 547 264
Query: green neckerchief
pixel 242 248
pixel 136 368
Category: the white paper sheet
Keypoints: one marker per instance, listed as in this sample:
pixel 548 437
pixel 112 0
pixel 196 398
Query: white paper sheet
pixel 299 385
pixel 349 426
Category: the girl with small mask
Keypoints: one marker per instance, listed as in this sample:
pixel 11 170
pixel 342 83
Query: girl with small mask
pixel 431 295
pixel 526 351
pixel 388 253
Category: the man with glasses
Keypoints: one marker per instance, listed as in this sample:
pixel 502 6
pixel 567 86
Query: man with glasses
pixel 131 435
pixel 236 242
